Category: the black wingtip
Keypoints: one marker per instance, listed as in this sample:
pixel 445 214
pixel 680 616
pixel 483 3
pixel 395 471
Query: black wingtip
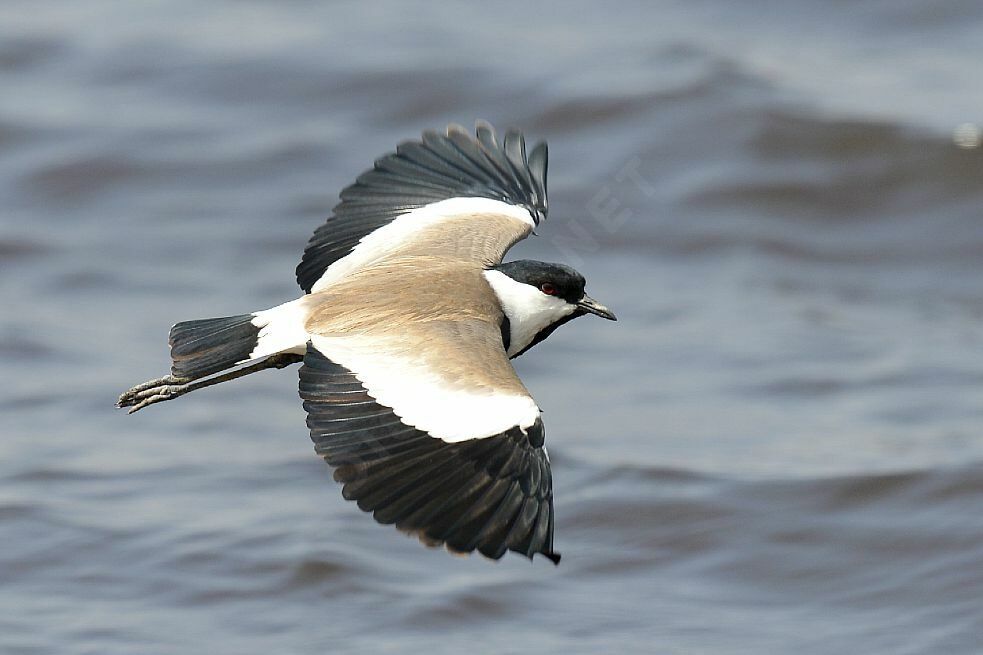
pixel 553 557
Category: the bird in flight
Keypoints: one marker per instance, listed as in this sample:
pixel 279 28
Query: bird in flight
pixel 405 330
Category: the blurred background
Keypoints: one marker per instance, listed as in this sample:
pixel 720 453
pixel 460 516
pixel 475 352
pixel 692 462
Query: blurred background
pixel 776 449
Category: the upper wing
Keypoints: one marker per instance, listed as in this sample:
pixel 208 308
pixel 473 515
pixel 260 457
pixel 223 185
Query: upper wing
pixel 423 183
pixel 450 452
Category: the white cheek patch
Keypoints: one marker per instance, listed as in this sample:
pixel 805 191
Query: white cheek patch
pixel 529 310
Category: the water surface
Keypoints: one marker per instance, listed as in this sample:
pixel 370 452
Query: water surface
pixel 776 449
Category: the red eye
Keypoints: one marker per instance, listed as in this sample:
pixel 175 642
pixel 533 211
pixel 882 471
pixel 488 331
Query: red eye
pixel 548 289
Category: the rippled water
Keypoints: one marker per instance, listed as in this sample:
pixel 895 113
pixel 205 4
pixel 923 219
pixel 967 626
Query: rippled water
pixel 776 449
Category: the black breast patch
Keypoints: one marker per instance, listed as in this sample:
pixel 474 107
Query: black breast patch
pixel 506 332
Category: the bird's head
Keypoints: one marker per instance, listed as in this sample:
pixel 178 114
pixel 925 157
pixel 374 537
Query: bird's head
pixel 538 297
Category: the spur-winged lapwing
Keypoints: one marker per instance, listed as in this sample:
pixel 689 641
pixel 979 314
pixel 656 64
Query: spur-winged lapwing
pixel 405 332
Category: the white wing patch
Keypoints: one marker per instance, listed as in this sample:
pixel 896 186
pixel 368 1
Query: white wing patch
pixel 388 237
pixel 420 397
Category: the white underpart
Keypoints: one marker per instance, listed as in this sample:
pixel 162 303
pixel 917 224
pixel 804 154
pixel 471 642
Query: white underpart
pixel 419 397
pixel 529 309
pixel 281 330
pixel 378 243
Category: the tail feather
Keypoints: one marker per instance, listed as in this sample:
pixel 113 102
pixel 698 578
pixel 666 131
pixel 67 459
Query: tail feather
pixel 210 345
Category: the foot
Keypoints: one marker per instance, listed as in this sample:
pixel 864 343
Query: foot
pixel 153 391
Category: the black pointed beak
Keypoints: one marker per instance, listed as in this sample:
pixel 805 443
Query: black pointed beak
pixel 591 306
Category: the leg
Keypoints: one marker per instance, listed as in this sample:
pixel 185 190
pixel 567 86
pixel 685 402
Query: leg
pixel 169 387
